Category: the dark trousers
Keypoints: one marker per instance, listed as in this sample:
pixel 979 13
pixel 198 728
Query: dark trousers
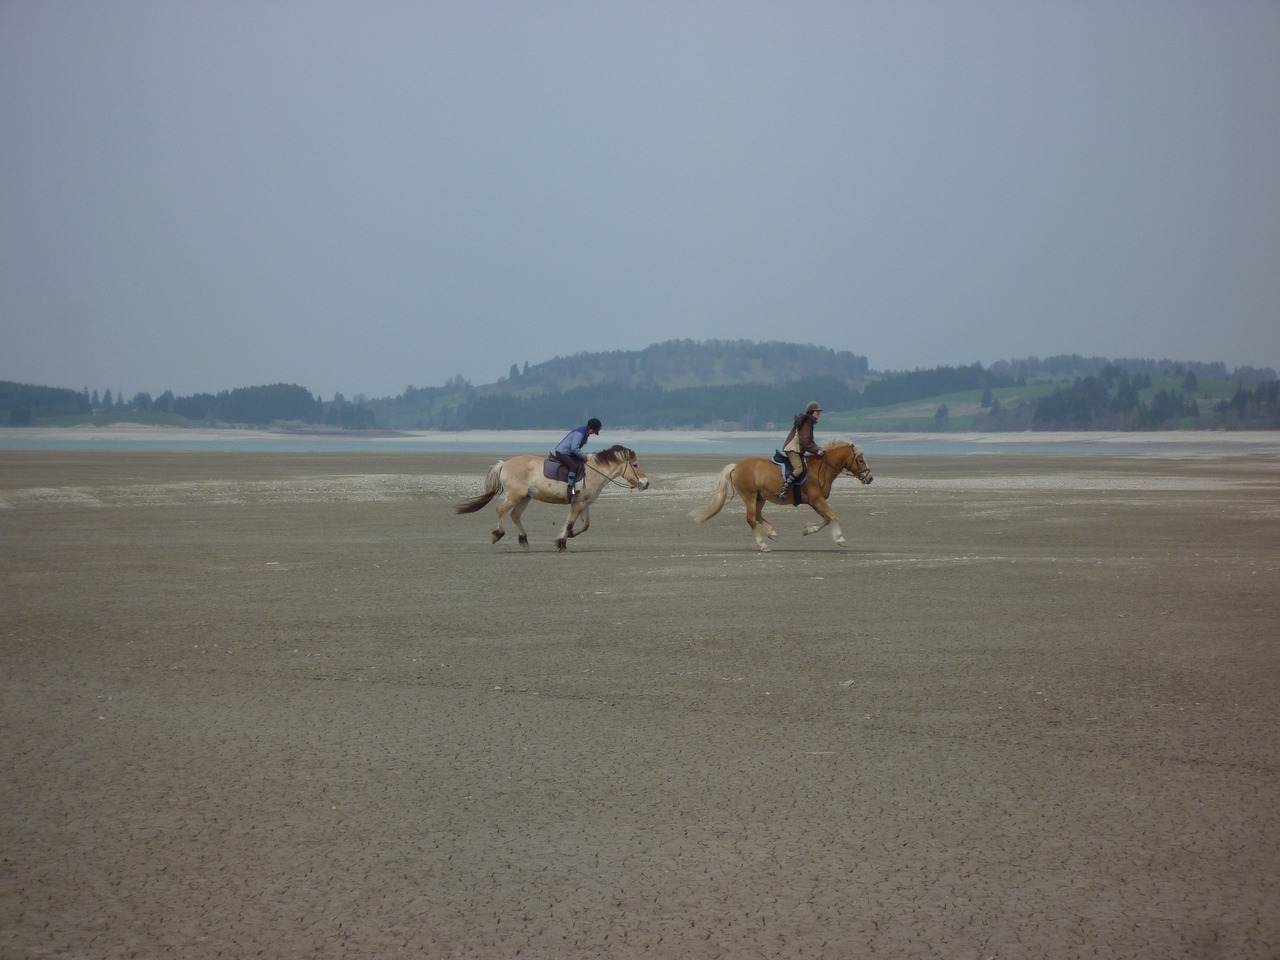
pixel 575 465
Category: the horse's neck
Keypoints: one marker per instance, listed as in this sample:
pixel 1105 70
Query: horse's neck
pixel 596 474
pixel 826 475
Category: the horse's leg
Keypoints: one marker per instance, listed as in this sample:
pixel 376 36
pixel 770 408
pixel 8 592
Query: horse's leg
pixel 503 508
pixel 515 507
pixel 823 509
pixel 768 527
pixel 753 521
pixel 517 493
pixel 748 488
pixel 516 513
pixel 579 508
pixel 585 517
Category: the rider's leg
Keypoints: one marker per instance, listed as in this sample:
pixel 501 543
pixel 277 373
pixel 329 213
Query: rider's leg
pixel 570 464
pixel 795 461
pixel 577 468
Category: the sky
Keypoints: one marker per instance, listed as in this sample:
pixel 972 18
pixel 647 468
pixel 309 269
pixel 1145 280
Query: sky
pixel 360 198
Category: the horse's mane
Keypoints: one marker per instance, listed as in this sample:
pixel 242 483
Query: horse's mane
pixel 615 454
pixel 840 444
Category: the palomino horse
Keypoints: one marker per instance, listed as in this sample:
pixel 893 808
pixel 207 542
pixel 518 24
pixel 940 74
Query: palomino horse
pixel 521 480
pixel 757 480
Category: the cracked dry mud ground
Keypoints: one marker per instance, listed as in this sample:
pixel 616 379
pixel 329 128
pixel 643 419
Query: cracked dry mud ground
pixel 293 706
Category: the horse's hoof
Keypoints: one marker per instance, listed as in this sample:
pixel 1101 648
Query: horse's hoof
pixel 562 543
pixel 765 548
pixel 524 541
pixel 840 540
pixel 498 535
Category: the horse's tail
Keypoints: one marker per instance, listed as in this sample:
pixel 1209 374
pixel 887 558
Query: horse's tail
pixel 722 492
pixel 492 484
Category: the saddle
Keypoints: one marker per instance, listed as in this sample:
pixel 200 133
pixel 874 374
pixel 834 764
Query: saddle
pixel 781 460
pixel 553 469
pixel 797 481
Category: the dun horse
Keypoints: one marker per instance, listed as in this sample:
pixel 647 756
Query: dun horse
pixel 757 480
pixel 521 479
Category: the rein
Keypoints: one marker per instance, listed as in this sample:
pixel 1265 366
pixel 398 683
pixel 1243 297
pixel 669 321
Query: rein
pixel 614 480
pixel 822 480
pixel 824 464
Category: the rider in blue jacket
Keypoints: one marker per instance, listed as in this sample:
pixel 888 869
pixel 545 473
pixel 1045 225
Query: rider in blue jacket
pixel 569 451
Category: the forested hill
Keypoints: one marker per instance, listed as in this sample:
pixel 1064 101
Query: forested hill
pixel 677 383
pixel 677 364
pixel 750 386
pixel 717 384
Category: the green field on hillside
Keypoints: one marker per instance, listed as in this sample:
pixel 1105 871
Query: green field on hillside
pixel 965 411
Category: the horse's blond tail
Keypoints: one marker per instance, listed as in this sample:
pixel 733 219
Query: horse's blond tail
pixel 492 484
pixel 722 492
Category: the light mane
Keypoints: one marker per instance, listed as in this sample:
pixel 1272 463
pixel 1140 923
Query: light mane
pixel 615 454
pixel 840 444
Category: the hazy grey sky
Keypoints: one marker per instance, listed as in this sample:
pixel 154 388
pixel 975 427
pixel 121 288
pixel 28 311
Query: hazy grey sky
pixel 359 197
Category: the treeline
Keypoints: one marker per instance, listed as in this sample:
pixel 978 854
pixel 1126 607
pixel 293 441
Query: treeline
pixel 673 364
pixel 920 384
pixel 1074 366
pixel 734 406
pixel 712 384
pixel 274 403
pixel 23 405
pixel 1112 400
pixel 1257 409
pixel 742 407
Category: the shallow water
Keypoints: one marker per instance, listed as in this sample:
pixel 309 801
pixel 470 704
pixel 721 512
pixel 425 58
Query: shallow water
pixel 124 437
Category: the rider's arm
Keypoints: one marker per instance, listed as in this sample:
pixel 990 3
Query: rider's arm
pixel 572 443
pixel 810 447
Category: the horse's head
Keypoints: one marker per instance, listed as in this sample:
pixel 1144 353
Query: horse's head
pixel 860 468
pixel 624 464
pixel 639 479
pixel 848 456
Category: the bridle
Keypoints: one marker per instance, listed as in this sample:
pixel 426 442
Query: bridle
pixel 860 475
pixel 630 465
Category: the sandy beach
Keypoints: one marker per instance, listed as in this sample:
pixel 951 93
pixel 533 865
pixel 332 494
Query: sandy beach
pixel 292 705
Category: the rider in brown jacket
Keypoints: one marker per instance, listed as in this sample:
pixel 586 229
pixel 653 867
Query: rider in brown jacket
pixel 799 442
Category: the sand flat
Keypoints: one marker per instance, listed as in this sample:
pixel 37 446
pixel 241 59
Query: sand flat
pixel 293 705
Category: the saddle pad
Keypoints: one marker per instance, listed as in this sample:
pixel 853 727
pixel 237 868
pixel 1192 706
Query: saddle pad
pixel 553 469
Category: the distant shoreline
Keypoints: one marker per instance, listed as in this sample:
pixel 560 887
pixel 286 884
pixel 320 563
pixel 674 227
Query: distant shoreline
pixel 140 436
